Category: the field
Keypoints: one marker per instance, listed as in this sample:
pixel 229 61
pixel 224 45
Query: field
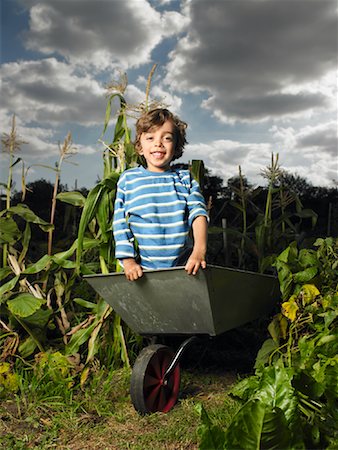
pixel 104 418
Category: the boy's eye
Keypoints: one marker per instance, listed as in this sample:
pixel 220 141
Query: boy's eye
pixel 168 138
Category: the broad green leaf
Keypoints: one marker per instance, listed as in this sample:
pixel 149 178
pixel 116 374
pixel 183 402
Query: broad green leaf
pixel 244 388
pixel 285 278
pixel 9 286
pixel 275 432
pixel 264 353
pixel 305 275
pixel 4 272
pixel 276 390
pixel 39 319
pixel 9 231
pixel 73 198
pixel 24 305
pixel 245 429
pixel 211 436
pixel 307 258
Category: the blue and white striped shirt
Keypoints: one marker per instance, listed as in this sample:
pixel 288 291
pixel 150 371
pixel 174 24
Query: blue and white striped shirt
pixel 156 208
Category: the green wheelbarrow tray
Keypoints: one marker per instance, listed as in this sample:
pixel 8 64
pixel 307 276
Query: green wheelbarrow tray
pixel 170 302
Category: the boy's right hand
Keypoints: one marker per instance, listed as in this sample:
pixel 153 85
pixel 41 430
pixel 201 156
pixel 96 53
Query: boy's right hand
pixel 132 270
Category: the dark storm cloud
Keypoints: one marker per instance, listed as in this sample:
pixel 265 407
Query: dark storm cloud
pixel 98 33
pixel 249 52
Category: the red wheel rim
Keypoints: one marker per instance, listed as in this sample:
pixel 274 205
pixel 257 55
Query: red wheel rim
pixel 160 394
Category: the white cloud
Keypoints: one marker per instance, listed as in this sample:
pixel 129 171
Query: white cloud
pixel 101 34
pixel 48 91
pixel 223 158
pixel 257 60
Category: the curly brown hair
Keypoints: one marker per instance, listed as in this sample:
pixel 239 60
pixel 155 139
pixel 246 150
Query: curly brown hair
pixel 156 118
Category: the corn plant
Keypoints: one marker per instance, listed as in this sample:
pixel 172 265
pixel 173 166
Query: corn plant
pixel 11 144
pixel 96 222
pixel 273 224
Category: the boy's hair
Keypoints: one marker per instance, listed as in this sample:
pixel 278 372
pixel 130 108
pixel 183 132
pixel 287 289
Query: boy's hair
pixel 156 118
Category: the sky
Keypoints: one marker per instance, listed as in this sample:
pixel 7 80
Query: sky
pixel 251 78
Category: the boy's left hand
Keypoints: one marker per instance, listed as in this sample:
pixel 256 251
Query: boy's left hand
pixel 195 261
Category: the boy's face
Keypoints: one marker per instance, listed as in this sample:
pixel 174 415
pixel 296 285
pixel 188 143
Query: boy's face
pixel 158 146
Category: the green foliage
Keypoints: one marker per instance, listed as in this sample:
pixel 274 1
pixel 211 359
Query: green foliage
pixel 263 221
pixel 9 380
pixel 292 400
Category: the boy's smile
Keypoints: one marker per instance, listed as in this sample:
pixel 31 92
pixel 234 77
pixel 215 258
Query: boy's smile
pixel 158 146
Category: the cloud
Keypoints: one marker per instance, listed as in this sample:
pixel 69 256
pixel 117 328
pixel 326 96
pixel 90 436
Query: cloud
pixel 310 152
pixel 99 35
pixel 246 55
pixel 223 158
pixel 48 91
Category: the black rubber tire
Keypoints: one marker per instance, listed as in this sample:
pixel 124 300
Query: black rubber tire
pixel 148 391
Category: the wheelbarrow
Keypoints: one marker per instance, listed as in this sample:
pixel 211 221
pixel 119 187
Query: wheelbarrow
pixel 170 302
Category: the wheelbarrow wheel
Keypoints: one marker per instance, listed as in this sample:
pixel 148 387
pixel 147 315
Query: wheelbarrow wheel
pixel 149 391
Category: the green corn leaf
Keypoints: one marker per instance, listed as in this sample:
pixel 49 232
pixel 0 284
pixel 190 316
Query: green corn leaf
pixel 25 243
pixel 37 267
pixel 119 128
pixel 88 213
pixel 28 215
pixel 65 263
pixel 15 162
pixel 74 198
pixel 24 305
pixel 107 115
pixel 197 171
pixel 80 337
pixel 85 303
pixel 9 231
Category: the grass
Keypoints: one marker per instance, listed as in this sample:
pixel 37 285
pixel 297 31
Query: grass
pixel 51 415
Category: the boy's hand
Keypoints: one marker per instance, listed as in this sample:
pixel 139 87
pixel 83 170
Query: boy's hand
pixel 196 260
pixel 132 270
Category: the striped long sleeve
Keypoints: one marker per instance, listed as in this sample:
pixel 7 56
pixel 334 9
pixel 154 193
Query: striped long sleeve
pixel 156 209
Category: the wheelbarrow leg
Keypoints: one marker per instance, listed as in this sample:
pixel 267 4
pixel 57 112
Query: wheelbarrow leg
pixel 181 349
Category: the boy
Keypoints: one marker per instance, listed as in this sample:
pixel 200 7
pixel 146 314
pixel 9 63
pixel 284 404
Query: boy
pixel 158 205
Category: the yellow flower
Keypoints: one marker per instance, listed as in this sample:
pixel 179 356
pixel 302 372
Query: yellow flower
pixel 290 308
